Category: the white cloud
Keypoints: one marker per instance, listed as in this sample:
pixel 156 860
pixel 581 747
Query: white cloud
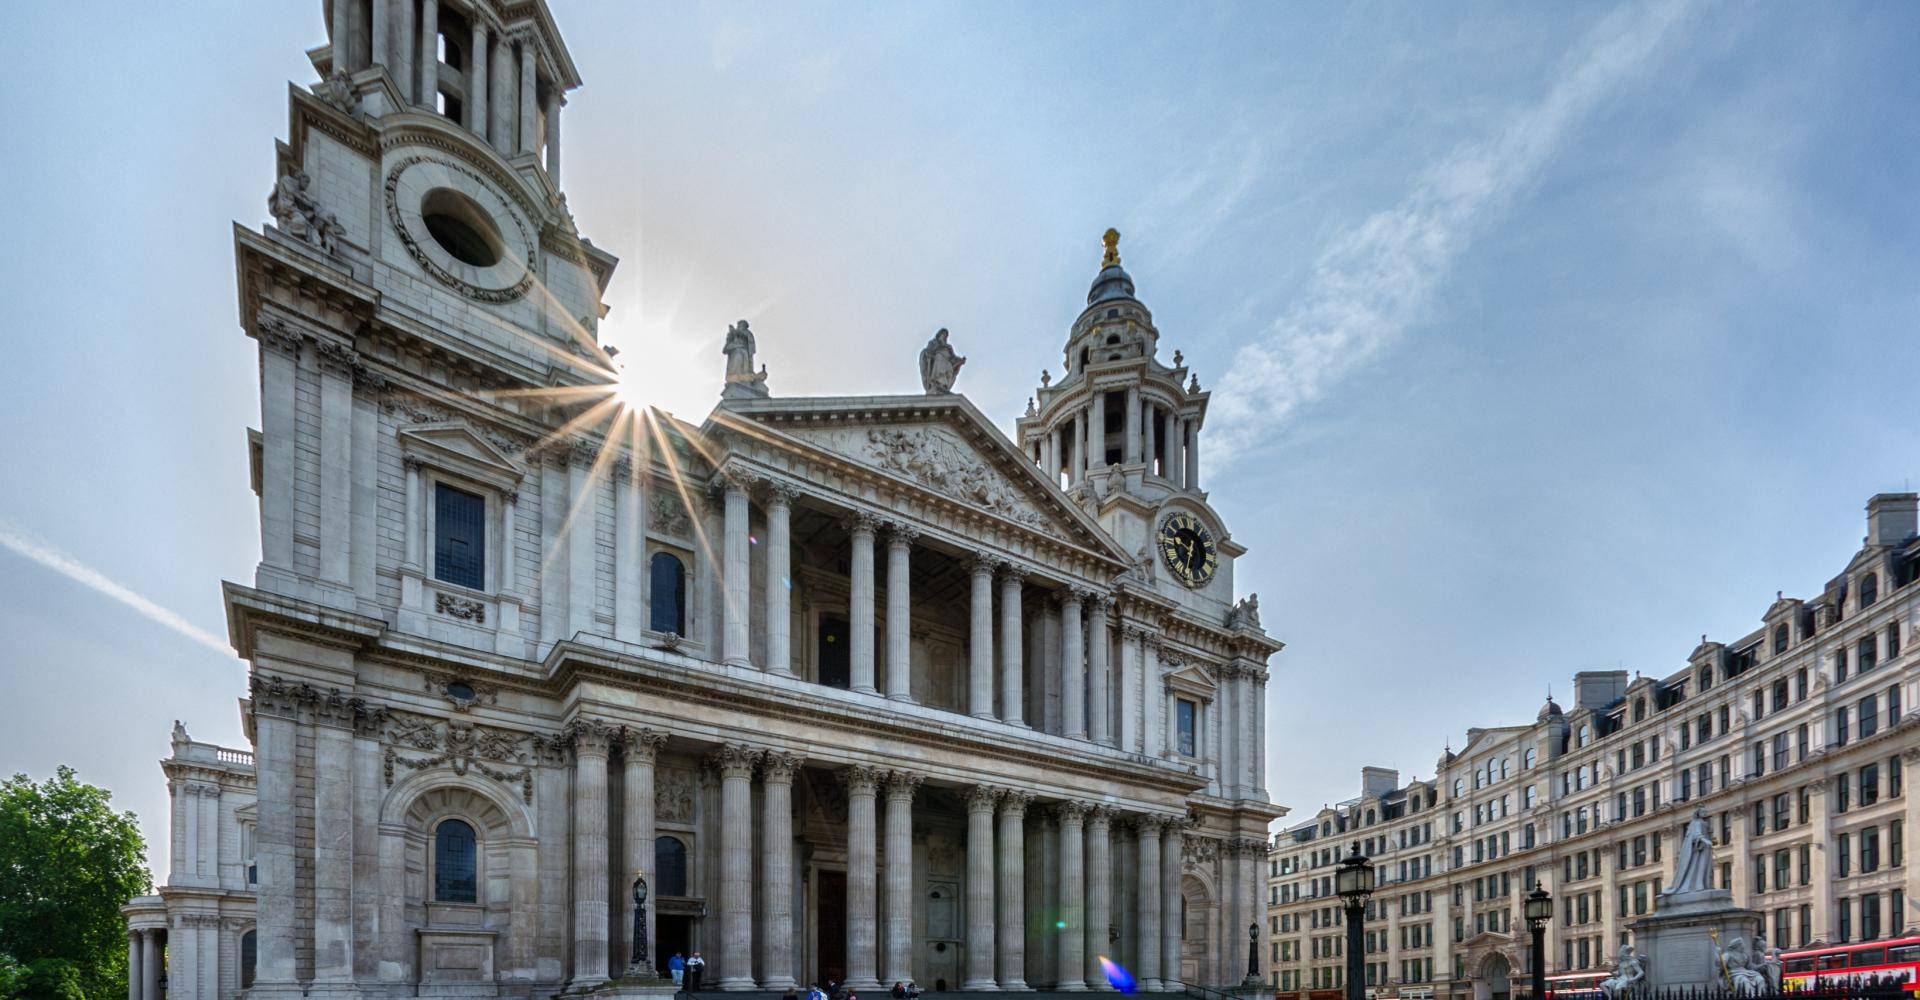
pixel 1378 278
pixel 28 547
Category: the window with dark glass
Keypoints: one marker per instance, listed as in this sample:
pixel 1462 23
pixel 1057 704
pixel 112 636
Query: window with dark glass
pixel 1869 716
pixel 1866 652
pixel 459 537
pixel 1780 638
pixel 669 866
pixel 1869 784
pixel 249 957
pixel 455 863
pixel 1186 714
pixel 667 594
pixel 1869 589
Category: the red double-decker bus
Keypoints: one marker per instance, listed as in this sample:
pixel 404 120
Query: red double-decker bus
pixel 1575 985
pixel 1895 961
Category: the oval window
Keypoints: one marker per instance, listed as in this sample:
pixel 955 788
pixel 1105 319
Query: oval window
pixel 461 227
pixel 460 691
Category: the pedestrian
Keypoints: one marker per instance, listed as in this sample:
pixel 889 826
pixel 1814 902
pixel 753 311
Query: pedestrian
pixel 814 992
pixel 677 967
pixel 696 971
pixel 899 990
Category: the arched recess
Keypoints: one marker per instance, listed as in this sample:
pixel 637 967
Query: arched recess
pixel 508 861
pixel 1199 958
pixel 1492 976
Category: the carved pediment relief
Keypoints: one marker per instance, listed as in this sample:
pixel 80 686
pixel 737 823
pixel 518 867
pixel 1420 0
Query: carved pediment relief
pixel 457 447
pixel 934 457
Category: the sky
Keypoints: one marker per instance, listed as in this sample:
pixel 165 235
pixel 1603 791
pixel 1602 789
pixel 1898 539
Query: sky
pixel 1543 338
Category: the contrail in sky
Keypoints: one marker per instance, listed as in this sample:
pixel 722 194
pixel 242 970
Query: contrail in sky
pixel 1378 278
pixel 28 547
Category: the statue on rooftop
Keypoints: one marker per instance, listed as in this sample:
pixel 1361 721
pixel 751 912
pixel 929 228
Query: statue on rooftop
pixel 742 380
pixel 939 365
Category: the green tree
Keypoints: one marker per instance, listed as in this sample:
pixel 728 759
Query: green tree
pixel 68 862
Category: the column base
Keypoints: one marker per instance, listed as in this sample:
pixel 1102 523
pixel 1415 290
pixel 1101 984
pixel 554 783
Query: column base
pixel 867 985
pixel 990 717
pixel 908 699
pixel 735 984
pixel 1070 986
pixel 1016 986
pixel 869 689
pixel 781 983
pixel 979 985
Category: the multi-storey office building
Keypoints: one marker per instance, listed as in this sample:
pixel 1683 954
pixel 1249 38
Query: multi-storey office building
pixel 866 687
pixel 1795 739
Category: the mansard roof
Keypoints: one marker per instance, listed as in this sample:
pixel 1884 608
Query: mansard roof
pixel 938 444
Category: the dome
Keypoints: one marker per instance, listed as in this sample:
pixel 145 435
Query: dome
pixel 1113 282
pixel 1550 710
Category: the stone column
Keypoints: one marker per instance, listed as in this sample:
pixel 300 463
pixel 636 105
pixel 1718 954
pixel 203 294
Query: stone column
pixel 1013 681
pixel 1050 457
pixel 1172 838
pixel 554 103
pixel 862 880
pixel 1147 904
pixel 1193 452
pixel 1077 451
pixel 275 711
pixel 378 33
pixel 860 601
pixel 1226 717
pixel 1071 975
pixel 133 937
pixel 734 574
pixel 337 34
pixel 1132 638
pixel 1012 891
pixel 1152 690
pixel 1170 448
pixel 980 803
pixel 1099 864
pixel 529 141
pixel 776 870
pixel 734 763
pixel 779 582
pixel 1097 432
pixel 897 963
pixel 500 83
pixel 1099 717
pixel 1149 448
pixel 333 937
pixel 477 81
pixel 1132 453
pixel 980 639
pixel 899 612
pixel 150 963
pixel 629 548
pixel 1233 944
pixel 638 833
pixel 403 45
pixel 429 94
pixel 1073 665
pixel 591 744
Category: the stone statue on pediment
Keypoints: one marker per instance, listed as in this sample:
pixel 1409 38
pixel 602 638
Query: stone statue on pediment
pixel 939 365
pixel 742 380
pixel 293 209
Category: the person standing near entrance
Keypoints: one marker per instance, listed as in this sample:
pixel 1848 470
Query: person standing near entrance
pixel 677 967
pixel 695 971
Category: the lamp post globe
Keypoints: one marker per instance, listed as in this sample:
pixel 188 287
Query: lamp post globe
pixel 1353 882
pixel 1539 910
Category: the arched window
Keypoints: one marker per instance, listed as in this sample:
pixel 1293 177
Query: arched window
pixel 668 584
pixel 1459 788
pixel 1504 764
pixel 669 866
pixel 1780 638
pixel 1706 678
pixel 1869 589
pixel 454 863
pixel 249 957
pixel 1529 758
pixel 1581 740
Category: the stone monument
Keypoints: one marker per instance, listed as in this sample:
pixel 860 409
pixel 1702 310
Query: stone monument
pixel 1696 937
pixel 742 381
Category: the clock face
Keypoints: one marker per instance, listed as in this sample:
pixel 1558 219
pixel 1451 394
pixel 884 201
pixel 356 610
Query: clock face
pixel 1188 549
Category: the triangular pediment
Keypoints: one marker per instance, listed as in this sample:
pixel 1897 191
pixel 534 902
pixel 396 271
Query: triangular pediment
pixel 457 447
pixel 938 444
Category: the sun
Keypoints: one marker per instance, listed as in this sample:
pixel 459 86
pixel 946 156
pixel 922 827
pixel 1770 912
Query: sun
pixel 627 389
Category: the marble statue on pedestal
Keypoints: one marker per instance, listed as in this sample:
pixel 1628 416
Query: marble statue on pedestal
pixel 1628 973
pixel 742 380
pixel 1693 867
pixel 939 365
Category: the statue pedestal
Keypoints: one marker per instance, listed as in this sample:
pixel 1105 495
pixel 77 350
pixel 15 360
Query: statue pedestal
pixel 1677 945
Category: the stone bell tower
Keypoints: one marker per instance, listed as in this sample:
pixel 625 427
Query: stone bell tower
pixel 1119 431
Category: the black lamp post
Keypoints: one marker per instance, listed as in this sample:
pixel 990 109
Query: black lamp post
pixel 1539 911
pixel 639 962
pixel 1354 883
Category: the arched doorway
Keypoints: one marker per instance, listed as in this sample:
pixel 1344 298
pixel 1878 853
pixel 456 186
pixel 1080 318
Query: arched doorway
pixel 1495 981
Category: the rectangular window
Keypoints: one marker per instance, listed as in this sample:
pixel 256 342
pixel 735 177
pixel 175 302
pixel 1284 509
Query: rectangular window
pixel 1842 784
pixel 1782 868
pixel 1839 674
pixel 1806 921
pixel 1870 916
pixel 1806 864
pixel 1779 750
pixel 459 537
pixel 1781 813
pixel 1800 741
pixel 1839 728
pixel 1842 855
pixel 1800 685
pixel 1869 784
pixel 1893 706
pixel 1896 851
pixel 1869 716
pixel 1866 652
pixel 1187 714
pixel 1843 912
pixel 1870 850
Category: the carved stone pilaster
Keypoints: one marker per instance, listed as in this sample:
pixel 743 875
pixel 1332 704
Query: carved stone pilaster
pixel 336 358
pixel 275 335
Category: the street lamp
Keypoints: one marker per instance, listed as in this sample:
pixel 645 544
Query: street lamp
pixel 1354 883
pixel 1539 911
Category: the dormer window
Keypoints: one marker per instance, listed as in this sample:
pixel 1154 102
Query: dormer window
pixel 1706 678
pixel 1869 589
pixel 1780 638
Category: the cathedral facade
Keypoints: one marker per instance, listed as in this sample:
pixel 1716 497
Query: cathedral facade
pixel 858 688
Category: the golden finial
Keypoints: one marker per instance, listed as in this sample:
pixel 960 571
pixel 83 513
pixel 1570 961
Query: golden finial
pixel 1112 241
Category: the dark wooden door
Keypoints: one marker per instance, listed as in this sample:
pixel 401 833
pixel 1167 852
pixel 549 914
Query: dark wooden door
pixel 836 660
pixel 832 921
pixel 673 936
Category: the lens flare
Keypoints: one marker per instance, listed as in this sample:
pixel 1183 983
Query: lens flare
pixel 1117 975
